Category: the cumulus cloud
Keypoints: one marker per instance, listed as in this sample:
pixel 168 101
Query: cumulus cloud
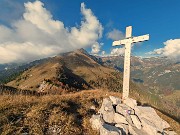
pixel 117 51
pixel 170 50
pixel 41 18
pixel 115 35
pixel 38 35
pixel 95 48
pixel 103 53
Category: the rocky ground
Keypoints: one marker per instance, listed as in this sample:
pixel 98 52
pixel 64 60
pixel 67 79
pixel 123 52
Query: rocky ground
pixel 123 118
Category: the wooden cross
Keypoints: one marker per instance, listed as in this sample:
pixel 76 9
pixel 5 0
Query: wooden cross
pixel 127 42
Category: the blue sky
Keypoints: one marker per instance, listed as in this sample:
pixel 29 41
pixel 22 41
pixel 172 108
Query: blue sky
pixel 159 18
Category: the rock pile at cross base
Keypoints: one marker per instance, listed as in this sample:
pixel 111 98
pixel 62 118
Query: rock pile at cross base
pixel 117 118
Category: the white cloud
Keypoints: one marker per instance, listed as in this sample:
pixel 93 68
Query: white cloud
pixel 90 29
pixel 170 50
pixel 37 35
pixel 115 35
pixel 117 51
pixel 96 48
pixel 103 53
pixel 39 16
pixel 26 51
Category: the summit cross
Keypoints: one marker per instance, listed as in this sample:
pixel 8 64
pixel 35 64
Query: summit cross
pixel 127 42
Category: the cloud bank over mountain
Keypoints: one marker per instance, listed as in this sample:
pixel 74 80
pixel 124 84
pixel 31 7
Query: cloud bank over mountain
pixel 96 48
pixel 170 50
pixel 117 51
pixel 38 35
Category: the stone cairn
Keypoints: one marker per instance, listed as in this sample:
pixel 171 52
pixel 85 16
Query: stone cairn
pixel 117 118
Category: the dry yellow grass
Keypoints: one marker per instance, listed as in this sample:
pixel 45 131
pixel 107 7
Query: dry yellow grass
pixel 67 114
pixel 35 75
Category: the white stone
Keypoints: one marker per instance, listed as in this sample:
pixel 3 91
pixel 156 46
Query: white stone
pixel 118 118
pixel 123 109
pixel 123 127
pixel 105 105
pixel 151 115
pixel 135 131
pixel 120 109
pixel 96 122
pixel 106 129
pixel 129 120
pixel 107 110
pixel 149 127
pixel 130 102
pixel 108 117
pixel 115 100
pixel 136 121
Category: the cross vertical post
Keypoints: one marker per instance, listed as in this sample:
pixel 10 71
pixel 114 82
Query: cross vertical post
pixel 127 61
pixel 127 56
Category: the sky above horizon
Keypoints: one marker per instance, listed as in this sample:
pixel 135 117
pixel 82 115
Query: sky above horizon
pixel 31 30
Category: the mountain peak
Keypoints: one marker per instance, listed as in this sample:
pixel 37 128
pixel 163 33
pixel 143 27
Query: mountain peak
pixel 82 51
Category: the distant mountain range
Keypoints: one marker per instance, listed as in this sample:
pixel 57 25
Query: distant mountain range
pixel 157 74
pixel 154 80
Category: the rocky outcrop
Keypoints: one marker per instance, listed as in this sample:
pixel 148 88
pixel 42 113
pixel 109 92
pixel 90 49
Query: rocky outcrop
pixel 117 118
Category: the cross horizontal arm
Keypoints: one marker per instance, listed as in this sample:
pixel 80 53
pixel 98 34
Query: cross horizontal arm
pixel 116 43
pixel 140 38
pixel 131 40
pixel 121 42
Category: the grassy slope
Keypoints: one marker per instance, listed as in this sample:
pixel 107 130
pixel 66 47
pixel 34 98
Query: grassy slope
pixel 35 75
pixel 71 112
pixel 77 63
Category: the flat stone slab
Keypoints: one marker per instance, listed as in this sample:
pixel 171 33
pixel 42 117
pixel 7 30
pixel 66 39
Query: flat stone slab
pixel 130 102
pixel 124 109
pixel 136 121
pixel 135 131
pixel 151 115
pixel 149 127
pixel 118 118
pixel 107 110
pixel 109 130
